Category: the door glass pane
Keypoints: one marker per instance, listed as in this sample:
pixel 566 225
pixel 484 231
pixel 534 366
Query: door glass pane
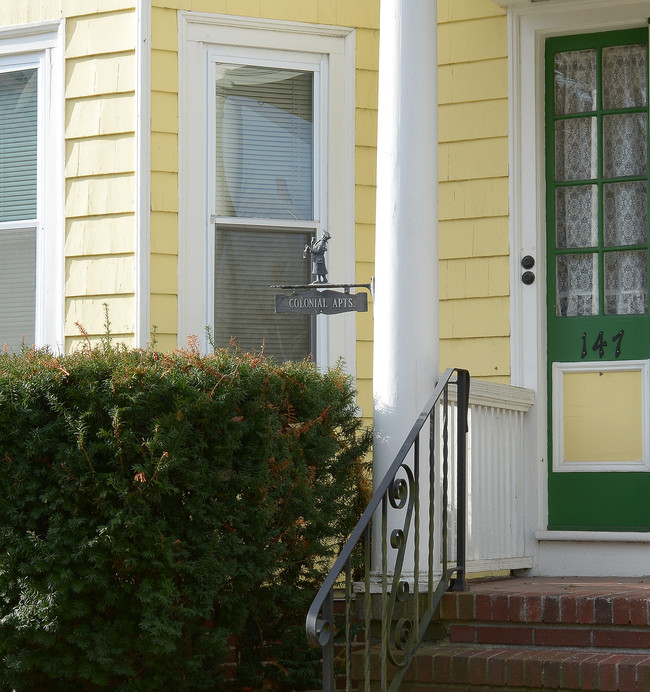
pixel 264 142
pixel 626 213
pixel 17 287
pixel 576 149
pixel 577 285
pixel 626 283
pixel 576 216
pixel 625 145
pixel 624 77
pixel 247 263
pixel 575 82
pixel 18 129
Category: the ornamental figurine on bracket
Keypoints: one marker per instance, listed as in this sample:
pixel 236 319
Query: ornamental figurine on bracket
pixel 317 298
pixel 318 248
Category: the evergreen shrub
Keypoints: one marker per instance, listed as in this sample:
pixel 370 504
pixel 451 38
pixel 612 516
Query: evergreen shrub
pixel 159 510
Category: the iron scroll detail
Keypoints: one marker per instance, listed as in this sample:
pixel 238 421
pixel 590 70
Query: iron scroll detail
pixel 384 614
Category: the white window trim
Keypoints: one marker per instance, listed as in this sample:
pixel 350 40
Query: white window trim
pixel 529 24
pixel 42 45
pixel 143 177
pixel 202 36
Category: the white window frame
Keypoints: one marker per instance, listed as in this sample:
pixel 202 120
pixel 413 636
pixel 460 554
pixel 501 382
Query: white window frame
pixel 330 51
pixel 41 46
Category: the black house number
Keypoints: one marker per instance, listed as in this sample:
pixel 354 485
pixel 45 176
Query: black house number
pixel 600 344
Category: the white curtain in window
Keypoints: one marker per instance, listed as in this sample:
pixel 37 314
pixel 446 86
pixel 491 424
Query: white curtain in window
pixel 626 283
pixel 624 154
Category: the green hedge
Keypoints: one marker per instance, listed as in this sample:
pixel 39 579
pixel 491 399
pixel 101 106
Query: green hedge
pixel 158 510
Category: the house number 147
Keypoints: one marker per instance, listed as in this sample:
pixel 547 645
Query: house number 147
pixel 600 343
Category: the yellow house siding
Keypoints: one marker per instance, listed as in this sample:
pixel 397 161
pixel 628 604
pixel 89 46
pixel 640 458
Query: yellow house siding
pixel 453 10
pixel 104 74
pixel 100 145
pixel 164 173
pixel 367 58
pixel 473 120
pixel 473 188
pixel 28 11
pixel 107 235
pixel 363 15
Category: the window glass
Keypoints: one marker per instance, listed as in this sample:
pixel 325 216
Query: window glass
pixel 265 142
pixel 17 287
pixel 598 187
pixel 264 171
pixel 18 184
pixel 18 128
pixel 247 263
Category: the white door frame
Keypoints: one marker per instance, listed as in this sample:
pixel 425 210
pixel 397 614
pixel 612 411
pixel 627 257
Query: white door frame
pixel 529 24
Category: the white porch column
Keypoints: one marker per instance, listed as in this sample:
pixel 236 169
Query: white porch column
pixel 406 355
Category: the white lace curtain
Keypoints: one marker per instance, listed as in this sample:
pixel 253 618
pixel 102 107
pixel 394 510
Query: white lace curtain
pixel 624 154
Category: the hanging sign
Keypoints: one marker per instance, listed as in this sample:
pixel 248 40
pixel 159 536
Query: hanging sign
pixel 321 302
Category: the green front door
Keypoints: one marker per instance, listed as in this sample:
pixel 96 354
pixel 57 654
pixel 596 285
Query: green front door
pixel 597 281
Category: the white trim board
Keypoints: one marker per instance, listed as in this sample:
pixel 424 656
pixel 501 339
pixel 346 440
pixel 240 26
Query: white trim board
pixel 142 320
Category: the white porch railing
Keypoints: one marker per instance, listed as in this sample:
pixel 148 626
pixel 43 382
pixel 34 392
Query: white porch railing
pixel 495 477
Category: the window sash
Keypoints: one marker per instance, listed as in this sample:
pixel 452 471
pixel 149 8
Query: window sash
pixel 247 263
pixel 18 144
pixel 266 198
pixel 264 137
pixel 17 287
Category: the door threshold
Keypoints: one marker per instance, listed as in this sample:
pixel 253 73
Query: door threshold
pixel 595 536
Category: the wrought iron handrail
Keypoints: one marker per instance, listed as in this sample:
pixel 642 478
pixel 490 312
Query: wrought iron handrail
pixel 401 637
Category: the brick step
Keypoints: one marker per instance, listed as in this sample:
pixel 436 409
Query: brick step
pixel 552 635
pixel 624 608
pixel 448 667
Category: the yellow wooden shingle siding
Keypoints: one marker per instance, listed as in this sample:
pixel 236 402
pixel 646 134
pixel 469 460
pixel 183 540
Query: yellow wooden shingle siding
pixel 164 176
pixel 100 168
pixel 473 189
pixel 361 14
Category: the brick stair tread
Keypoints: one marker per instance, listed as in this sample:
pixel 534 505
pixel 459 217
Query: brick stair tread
pixel 570 636
pixel 543 669
pixel 623 608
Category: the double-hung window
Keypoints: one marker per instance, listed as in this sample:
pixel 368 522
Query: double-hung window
pixel 31 192
pixel 266 165
pixel 267 129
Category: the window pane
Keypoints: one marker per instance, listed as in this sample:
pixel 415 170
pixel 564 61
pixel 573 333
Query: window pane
pixel 626 283
pixel 576 216
pixel 247 263
pixel 264 142
pixel 575 82
pixel 625 145
pixel 17 287
pixel 18 128
pixel 576 149
pixel 624 77
pixel 626 213
pixel 577 285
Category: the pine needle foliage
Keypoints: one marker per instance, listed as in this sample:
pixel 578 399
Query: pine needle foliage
pixel 159 510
